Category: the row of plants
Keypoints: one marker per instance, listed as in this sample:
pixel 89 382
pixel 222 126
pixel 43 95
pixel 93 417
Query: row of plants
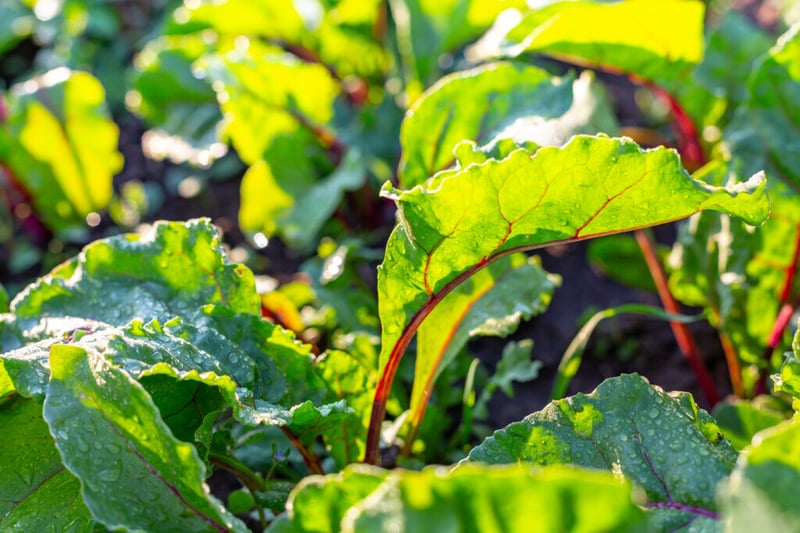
pixel 445 140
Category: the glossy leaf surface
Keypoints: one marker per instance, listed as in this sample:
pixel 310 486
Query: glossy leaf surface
pixel 172 270
pixel 112 438
pixel 662 442
pixel 492 104
pixel 36 492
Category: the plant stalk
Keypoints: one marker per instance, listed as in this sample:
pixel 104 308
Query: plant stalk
pixel 644 237
pixel 309 457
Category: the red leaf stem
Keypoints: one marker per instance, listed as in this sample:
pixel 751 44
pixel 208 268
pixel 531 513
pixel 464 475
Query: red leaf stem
pixel 309 457
pixel 682 335
pixel 784 315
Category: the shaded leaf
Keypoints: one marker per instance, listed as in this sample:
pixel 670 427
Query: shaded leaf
pixel 137 476
pixel 36 492
pixel 740 420
pixel 428 31
pixel 619 257
pixel 69 176
pixel 771 109
pixel 172 270
pixel 761 492
pixel 16 23
pixel 515 365
pixel 662 442
pixel 168 95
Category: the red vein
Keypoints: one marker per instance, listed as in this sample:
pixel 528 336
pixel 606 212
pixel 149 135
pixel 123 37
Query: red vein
pixel 608 201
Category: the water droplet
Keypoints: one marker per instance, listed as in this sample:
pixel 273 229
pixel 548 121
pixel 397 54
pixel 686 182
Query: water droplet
pixel 676 446
pixel 653 413
pixel 108 475
pixel 623 438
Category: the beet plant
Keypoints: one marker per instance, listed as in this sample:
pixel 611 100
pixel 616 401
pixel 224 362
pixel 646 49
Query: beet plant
pixel 445 141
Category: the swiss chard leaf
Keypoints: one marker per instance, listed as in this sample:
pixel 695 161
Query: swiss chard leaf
pixel 662 442
pixel 492 302
pixel 36 491
pixel 173 270
pixel 760 494
pixel 69 176
pixel 495 102
pixel 656 41
pixel 112 438
pixel 471 498
pixel 464 219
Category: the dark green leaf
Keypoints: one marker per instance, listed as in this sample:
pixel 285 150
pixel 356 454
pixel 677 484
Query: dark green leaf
pixel 620 258
pixel 172 270
pixel 134 474
pixel 515 365
pixel 662 442
pixel 740 420
pixel 36 492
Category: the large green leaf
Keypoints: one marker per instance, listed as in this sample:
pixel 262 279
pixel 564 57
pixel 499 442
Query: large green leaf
pixel 761 493
pixel 593 186
pixel 69 176
pixel 495 102
pixel 662 442
pixel 654 40
pixel 473 498
pixel 134 473
pixel 36 492
pixel 174 269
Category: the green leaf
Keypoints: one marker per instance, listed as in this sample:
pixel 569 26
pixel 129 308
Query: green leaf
pixel 771 109
pixel 662 442
pixel 654 40
pixel 168 95
pixel 36 492
pixel 740 420
pixel 760 495
pixel 738 274
pixel 300 215
pixel 492 302
pixel 69 176
pixel 3 299
pixel 494 102
pixel 471 498
pixel 134 473
pixel 319 503
pixel 429 31
pixel 730 51
pixel 464 219
pixel 174 269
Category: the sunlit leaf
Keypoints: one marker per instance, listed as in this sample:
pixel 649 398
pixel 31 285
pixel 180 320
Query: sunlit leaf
pixel 69 176
pixel 493 103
